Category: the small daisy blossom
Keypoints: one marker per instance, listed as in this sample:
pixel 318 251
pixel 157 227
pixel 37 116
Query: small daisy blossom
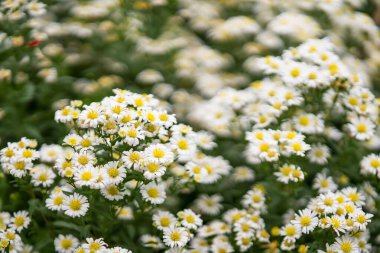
pixel 75 205
pixel 20 220
pixel 307 220
pixel 175 237
pixel 153 193
pixel 65 243
pixel 189 219
pixel 163 219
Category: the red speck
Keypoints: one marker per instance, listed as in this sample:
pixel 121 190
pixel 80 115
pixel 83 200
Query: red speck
pixel 33 43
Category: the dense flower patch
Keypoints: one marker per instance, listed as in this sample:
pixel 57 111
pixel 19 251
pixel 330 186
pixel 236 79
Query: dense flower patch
pixel 189 126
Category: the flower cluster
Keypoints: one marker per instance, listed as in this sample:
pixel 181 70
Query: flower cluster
pixel 266 108
pixel 268 145
pixel 69 243
pixel 17 158
pixel 11 226
pixel 340 212
pixel 177 231
pixel 16 10
pixel 370 165
pixel 242 227
pixel 312 67
pixel 124 138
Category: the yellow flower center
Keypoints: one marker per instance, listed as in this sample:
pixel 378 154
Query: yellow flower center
pixel 346 247
pixel 375 163
pixel 10 235
pixel 20 165
pixel 85 143
pixel 165 221
pixel 290 231
pixel 190 219
pixel 328 202
pixel 304 120
pixel 134 156
pixel 312 76
pixel 175 236
pixel 353 101
pixel 297 146
pixel 83 160
pixel 132 133
pixel 43 177
pixel 75 204
pixel 86 176
pixel 116 109
pixel 19 221
pixel 182 144
pixel 153 167
pixel 361 218
pixel 197 170
pixel 286 170
pixel 57 201
pixel 66 243
pixel 354 196
pixel 264 147
pixel 256 198
pixel 153 192
pixel 27 153
pixel 150 116
pixel 289 96
pixel 291 135
pixel 335 223
pixel 139 102
pixel 9 153
pixel 244 241
pixel 164 117
pixel 295 72
pixel 92 115
pixel 113 172
pixel 362 128
pixel 324 183
pixel 95 246
pixel 158 153
pixel 112 190
pixel 305 221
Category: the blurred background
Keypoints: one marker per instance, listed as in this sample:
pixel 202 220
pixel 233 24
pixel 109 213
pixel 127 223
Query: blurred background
pixel 183 51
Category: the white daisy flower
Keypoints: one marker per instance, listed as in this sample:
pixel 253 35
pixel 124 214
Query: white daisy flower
pixel 55 201
pixel 153 193
pixel 345 244
pixel 175 237
pixel 159 153
pixel 91 116
pixel 94 245
pixel 75 205
pixel 361 128
pixel 153 170
pixel 133 159
pixel 319 154
pixel 86 176
pixel 307 220
pixel 361 219
pixel 189 219
pixel 42 175
pixel 163 219
pixel 210 205
pixel 65 243
pixel 125 213
pixel 113 173
pixel 291 232
pixel 20 220
pixel 131 135
pixel 112 192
